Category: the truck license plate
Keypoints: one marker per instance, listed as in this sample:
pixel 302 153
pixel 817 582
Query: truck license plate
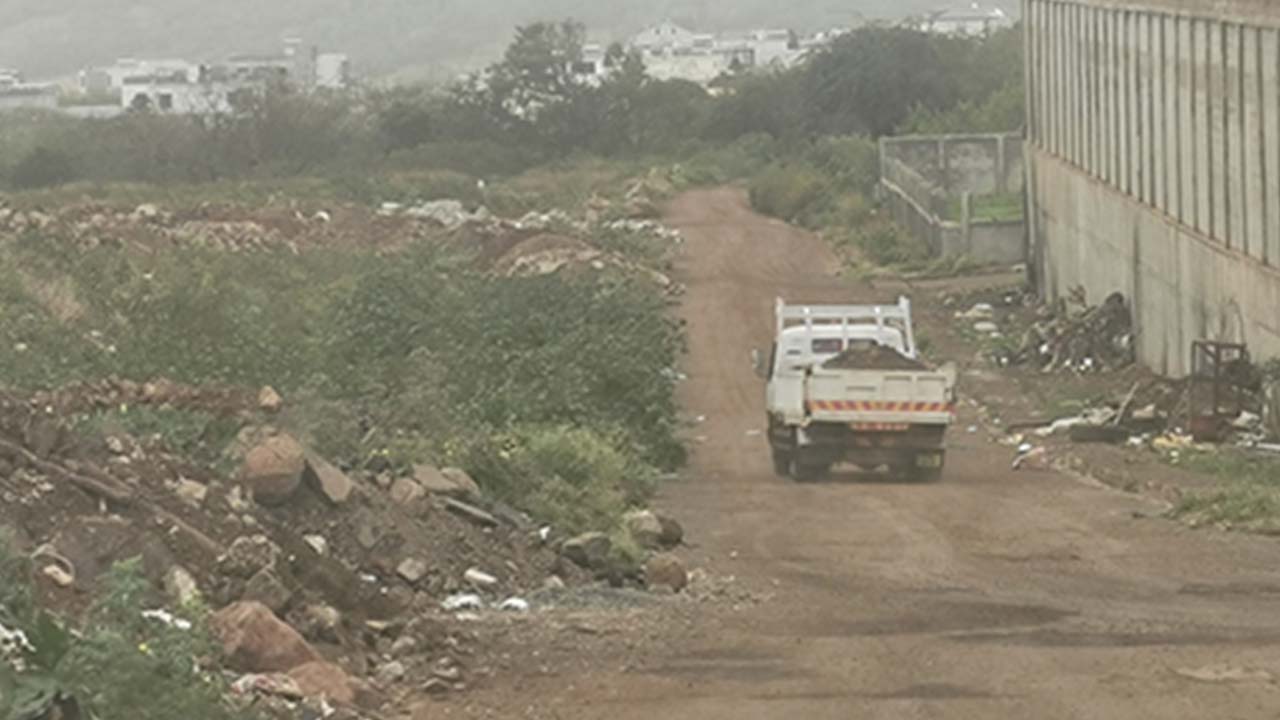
pixel 929 461
pixel 879 427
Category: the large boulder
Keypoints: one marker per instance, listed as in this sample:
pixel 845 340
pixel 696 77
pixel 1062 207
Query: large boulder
pixel 652 530
pixel 323 679
pixel 451 482
pixel 588 550
pixel 320 623
pixel 273 469
pixel 180 585
pixel 331 482
pixel 255 640
pixel 645 528
pixel 666 570
pixel 248 554
pixel 468 488
pixel 405 491
pixel 267 588
pixel 672 531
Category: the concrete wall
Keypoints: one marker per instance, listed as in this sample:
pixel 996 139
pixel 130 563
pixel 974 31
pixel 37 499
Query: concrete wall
pixel 921 175
pixel 1154 164
pixel 980 163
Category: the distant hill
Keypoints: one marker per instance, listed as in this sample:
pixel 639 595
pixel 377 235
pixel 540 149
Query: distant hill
pixel 47 38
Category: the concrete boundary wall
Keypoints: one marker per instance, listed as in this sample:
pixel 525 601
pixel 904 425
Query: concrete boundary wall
pixel 1153 156
pixel 923 176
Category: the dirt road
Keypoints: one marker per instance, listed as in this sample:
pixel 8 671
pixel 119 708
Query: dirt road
pixel 992 594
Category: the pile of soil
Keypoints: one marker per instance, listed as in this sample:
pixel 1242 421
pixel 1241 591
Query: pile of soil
pixel 871 355
pixel 83 502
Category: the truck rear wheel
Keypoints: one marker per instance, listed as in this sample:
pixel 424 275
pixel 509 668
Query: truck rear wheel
pixel 782 460
pixel 807 468
pixel 926 467
pixel 926 475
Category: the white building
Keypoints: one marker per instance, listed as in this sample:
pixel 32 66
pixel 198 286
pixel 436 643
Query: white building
pixel 674 52
pixel 332 71
pixel 667 35
pixel 111 78
pixel 26 96
pixel 175 95
pixel 16 94
pixel 972 20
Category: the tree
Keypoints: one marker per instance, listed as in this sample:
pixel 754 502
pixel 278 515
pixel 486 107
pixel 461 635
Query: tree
pixel 404 120
pixel 537 69
pixel 43 167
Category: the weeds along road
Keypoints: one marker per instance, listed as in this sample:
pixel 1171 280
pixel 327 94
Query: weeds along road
pixel 991 594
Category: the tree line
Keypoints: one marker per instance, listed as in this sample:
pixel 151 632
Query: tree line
pixel 534 104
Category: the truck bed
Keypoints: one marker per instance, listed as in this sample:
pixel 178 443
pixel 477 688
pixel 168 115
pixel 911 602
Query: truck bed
pixel 888 397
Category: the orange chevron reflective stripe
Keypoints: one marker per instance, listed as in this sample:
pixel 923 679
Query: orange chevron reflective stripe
pixel 879 406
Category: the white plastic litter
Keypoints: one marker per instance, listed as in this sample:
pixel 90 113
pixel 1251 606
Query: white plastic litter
pixel 479 578
pixel 514 604
pixel 167 618
pixel 462 601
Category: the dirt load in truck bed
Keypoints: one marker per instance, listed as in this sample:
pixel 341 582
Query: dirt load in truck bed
pixel 869 355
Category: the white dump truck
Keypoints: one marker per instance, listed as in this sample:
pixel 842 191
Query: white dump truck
pixel 845 384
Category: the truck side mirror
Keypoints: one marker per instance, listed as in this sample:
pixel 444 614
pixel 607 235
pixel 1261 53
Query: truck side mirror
pixel 757 364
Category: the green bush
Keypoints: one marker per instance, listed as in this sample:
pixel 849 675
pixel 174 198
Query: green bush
pixel 788 192
pixel 883 243
pixel 197 435
pixel 43 167
pixel 575 479
pixel 120 664
pixel 410 356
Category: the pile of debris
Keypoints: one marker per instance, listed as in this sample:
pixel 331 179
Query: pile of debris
pixel 871 355
pixel 1092 339
pixel 347 586
pixel 216 226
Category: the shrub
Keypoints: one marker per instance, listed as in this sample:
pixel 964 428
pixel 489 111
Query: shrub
pixel 575 479
pixel 120 664
pixel 788 191
pixel 43 167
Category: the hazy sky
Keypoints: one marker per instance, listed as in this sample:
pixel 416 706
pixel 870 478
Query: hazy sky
pixel 47 38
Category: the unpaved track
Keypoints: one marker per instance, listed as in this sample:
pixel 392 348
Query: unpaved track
pixel 991 594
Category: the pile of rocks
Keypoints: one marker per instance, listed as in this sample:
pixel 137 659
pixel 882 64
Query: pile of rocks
pixel 348 587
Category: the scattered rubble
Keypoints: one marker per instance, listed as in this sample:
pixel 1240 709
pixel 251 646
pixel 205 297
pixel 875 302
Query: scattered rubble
pixel 273 470
pixel 589 550
pixel 1092 339
pixel 667 571
pixel 255 640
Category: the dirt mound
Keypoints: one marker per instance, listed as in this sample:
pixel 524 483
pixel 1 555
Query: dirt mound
pixel 219 226
pixel 871 355
pixel 545 254
pixel 80 502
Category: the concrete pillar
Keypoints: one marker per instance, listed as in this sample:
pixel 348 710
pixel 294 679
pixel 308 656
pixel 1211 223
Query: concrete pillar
pixel 1110 116
pixel 1215 63
pixel 1252 156
pixel 1202 173
pixel 1172 115
pixel 1233 109
pixel 944 165
pixel 1124 100
pixel 1030 59
pixel 1054 85
pixel 1142 105
pixel 1186 125
pixel 1085 69
pixel 1075 12
pixel 1270 149
pixel 1159 114
pixel 1002 166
